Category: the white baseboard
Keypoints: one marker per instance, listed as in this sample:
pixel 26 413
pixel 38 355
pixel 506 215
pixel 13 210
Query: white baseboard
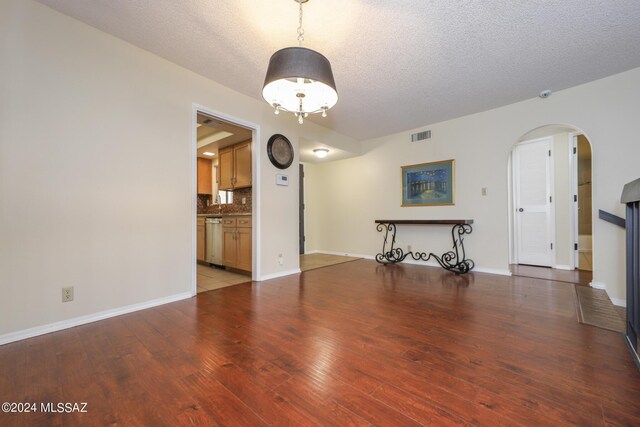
pixel 563 267
pixel 475 269
pixel 619 302
pixel 598 285
pixel 497 271
pixel 342 254
pixel 414 262
pixel 278 274
pixel 90 318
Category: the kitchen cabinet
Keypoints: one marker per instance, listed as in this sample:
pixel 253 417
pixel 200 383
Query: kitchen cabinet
pixel 200 239
pixel 205 178
pixel 234 165
pixel 236 242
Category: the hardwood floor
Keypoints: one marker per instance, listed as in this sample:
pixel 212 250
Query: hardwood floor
pixel 579 277
pixel 316 260
pixel 352 344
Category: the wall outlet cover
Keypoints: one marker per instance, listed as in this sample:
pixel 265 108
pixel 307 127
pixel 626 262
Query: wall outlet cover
pixel 67 294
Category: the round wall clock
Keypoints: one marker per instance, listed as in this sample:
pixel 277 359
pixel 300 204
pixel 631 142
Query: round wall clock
pixel 280 151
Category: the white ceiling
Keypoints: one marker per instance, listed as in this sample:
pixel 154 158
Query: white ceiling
pixel 398 64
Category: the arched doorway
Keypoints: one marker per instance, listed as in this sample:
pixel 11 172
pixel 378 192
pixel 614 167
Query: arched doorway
pixel 550 212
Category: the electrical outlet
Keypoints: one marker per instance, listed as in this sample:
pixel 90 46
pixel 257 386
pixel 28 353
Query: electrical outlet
pixel 67 294
pixel 280 259
pixel 244 200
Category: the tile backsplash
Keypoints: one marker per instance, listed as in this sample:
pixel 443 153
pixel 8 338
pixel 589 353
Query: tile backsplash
pixel 235 207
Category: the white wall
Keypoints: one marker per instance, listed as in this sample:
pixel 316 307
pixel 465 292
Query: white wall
pixel 357 191
pixel 97 171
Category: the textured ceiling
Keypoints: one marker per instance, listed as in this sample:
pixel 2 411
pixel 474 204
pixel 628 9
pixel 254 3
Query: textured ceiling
pixel 398 64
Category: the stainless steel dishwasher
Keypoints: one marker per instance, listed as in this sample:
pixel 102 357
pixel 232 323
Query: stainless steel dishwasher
pixel 213 230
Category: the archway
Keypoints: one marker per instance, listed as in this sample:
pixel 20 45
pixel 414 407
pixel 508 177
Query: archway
pixel 550 212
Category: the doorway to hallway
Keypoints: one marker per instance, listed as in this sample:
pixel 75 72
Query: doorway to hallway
pixel 550 209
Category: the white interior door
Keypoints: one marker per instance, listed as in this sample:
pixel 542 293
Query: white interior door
pixel 532 185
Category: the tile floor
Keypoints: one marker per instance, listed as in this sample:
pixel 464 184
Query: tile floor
pixel 210 278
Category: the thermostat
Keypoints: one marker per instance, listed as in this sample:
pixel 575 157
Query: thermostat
pixel 282 179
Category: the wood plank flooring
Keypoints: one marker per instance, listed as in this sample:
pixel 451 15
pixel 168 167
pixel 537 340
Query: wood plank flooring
pixel 579 277
pixel 317 260
pixel 352 344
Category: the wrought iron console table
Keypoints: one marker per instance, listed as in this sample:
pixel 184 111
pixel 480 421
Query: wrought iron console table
pixel 454 260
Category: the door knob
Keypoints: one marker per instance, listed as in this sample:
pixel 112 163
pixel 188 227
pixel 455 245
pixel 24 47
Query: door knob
pixel 520 210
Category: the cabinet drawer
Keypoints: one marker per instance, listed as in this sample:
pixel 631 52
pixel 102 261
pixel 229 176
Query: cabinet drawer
pixel 228 222
pixel 244 222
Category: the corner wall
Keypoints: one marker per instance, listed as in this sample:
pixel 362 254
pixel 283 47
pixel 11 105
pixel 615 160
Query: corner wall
pixel 357 191
pixel 97 172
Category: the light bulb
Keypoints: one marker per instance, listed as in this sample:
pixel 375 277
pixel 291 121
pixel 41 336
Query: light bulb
pixel 324 112
pixel 277 111
pixel 321 153
pixel 300 119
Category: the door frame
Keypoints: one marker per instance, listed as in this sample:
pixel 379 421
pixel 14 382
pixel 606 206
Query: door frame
pixel 573 197
pixel 550 191
pixel 256 253
pixel 302 207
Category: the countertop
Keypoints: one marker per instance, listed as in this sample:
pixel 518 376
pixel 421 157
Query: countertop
pixel 214 215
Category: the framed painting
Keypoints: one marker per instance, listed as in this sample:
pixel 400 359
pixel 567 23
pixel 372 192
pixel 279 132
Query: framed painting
pixel 429 184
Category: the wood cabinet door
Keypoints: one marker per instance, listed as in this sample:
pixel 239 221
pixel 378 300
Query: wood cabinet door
pixel 229 247
pixel 225 168
pixel 205 177
pixel 242 164
pixel 244 249
pixel 200 240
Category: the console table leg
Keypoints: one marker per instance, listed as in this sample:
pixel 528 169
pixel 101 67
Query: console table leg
pixel 393 255
pixel 456 260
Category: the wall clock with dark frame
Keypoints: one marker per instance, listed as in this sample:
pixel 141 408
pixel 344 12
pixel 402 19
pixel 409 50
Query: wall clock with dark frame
pixel 280 151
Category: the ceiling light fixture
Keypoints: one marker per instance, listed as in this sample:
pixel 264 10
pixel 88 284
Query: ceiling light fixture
pixel 207 153
pixel 300 80
pixel 321 153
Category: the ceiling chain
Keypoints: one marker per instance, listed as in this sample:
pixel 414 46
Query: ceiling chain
pixel 300 29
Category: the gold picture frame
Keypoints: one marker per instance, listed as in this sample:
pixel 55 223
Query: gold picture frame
pixel 429 184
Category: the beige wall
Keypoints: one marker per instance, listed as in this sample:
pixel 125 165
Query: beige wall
pixel 357 191
pixel 97 171
pixel 562 204
pixel 585 217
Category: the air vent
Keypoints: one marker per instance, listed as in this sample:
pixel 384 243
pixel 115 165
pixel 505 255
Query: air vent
pixel 421 136
pixel 211 122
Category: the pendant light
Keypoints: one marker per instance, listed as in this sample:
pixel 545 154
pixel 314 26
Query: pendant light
pixel 300 80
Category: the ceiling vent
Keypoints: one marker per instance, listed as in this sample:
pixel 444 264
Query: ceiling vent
pixel 208 121
pixel 421 136
pixel 211 123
